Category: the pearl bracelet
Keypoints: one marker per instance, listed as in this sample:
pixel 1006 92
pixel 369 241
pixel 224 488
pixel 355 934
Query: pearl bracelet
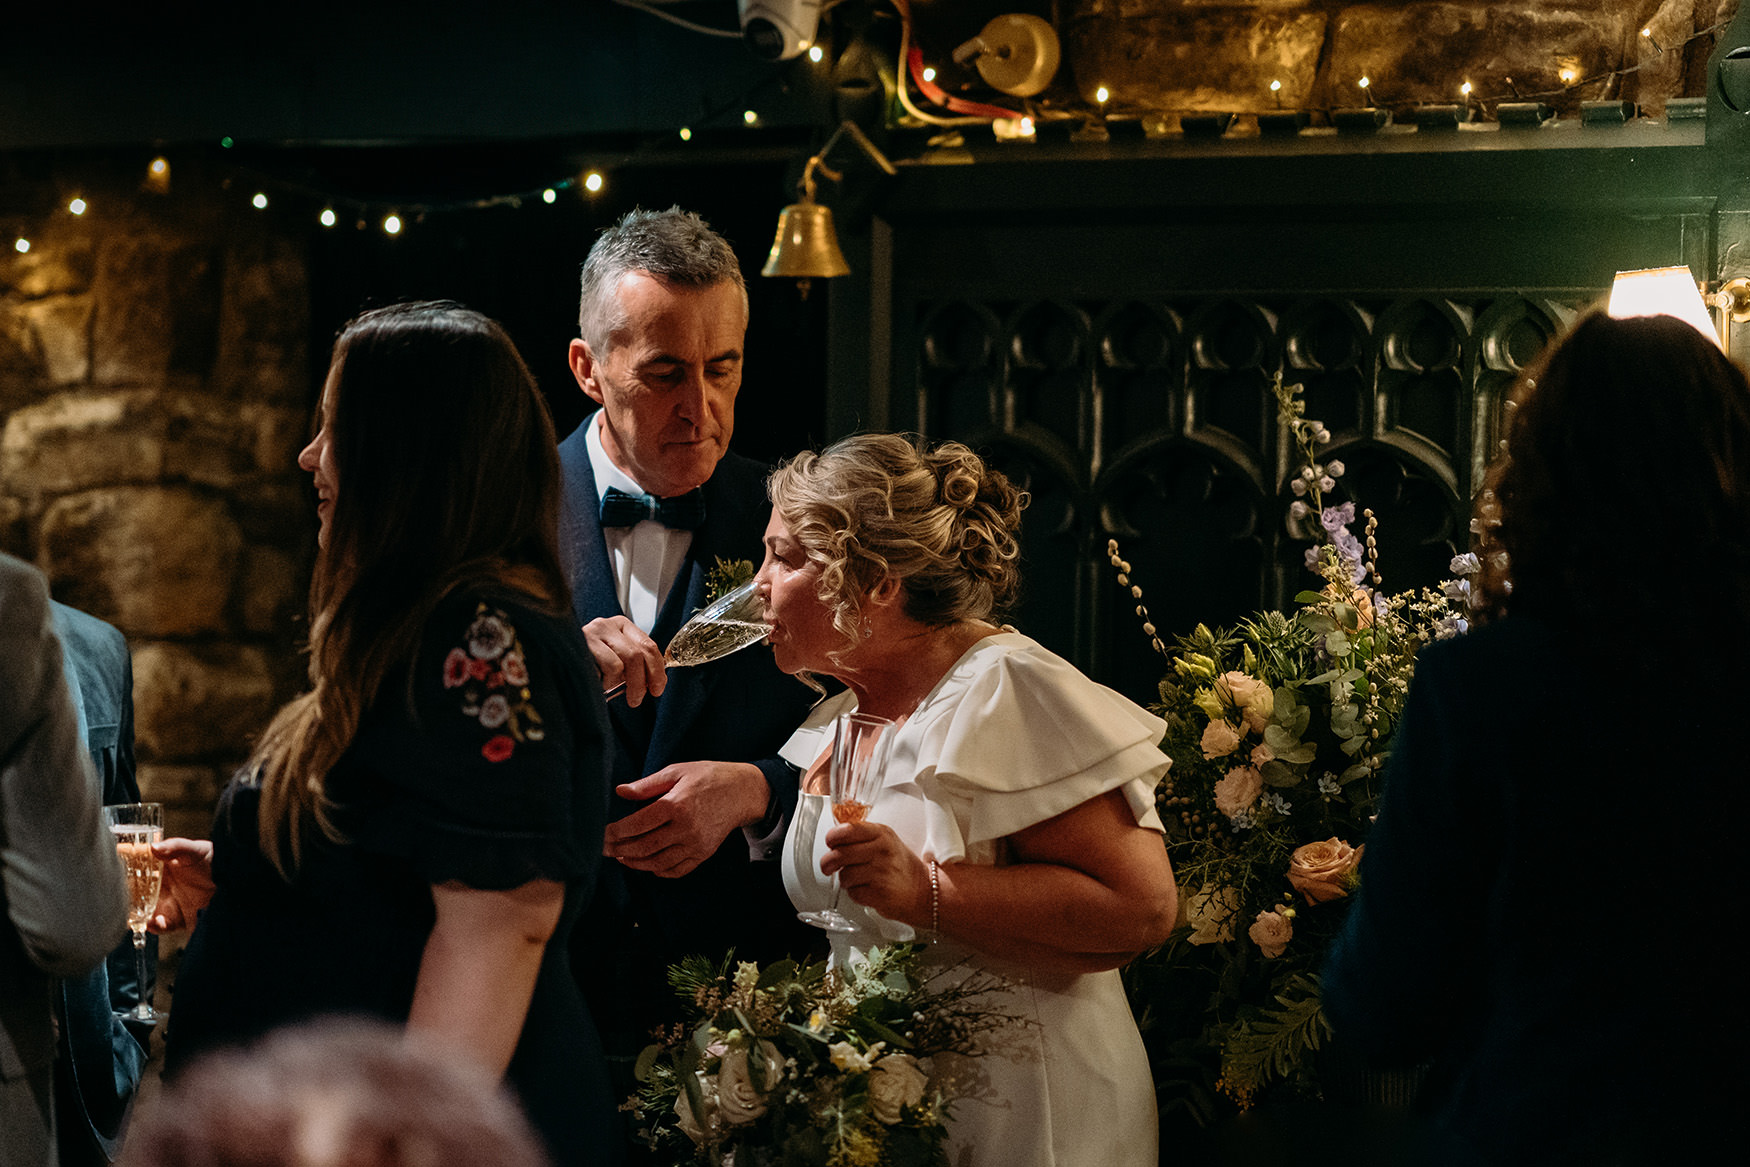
pixel 935 901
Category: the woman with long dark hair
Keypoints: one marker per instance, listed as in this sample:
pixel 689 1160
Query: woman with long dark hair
pixel 1544 898
pixel 414 836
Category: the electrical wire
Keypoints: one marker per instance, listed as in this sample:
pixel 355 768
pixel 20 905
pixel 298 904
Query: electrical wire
pixel 682 22
pixel 911 60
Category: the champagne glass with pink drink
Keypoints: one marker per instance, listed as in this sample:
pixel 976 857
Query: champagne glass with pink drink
pixel 859 753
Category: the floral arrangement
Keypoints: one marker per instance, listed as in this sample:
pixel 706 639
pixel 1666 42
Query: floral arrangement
pixel 1278 729
pixel 804 1066
pixel 725 576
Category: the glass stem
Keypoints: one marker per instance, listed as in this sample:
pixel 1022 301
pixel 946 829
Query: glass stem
pixel 144 1009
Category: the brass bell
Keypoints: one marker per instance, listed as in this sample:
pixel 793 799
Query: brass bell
pixel 806 246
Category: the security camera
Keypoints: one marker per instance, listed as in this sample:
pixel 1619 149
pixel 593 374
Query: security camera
pixel 776 30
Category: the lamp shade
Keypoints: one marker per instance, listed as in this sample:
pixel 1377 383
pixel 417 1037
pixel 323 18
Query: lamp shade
pixel 806 246
pixel 1662 291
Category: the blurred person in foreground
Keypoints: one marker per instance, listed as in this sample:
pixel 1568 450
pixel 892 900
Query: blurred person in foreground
pixel 413 838
pixel 333 1094
pixel 61 885
pixel 1561 834
pixel 1015 822
pixel 101 1051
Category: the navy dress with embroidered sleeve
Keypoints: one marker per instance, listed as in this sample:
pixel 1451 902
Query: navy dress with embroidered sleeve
pixel 482 765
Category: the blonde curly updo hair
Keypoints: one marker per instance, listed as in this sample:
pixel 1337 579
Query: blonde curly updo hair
pixel 939 521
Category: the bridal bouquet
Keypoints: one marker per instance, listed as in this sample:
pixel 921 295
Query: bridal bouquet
pixel 1278 728
pixel 803 1066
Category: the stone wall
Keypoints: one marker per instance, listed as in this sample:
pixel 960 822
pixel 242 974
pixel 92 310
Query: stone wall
pixel 1222 55
pixel 155 388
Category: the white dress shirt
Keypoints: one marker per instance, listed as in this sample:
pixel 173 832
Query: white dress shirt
pixel 646 557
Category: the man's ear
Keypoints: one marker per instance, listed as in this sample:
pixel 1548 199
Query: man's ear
pixel 583 367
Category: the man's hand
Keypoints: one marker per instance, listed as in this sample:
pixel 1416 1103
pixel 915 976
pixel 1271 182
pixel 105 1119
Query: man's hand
pixel 624 653
pixel 697 805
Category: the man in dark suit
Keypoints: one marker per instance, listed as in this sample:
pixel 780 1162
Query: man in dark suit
pixel 63 900
pixel 654 499
pixel 99 1059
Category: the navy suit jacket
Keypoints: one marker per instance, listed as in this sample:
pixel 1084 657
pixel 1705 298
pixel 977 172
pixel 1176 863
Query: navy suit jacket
pixel 99 1061
pixel 739 709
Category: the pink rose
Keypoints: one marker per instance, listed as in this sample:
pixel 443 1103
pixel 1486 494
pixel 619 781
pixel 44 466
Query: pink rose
pixel 1262 753
pixel 498 748
pixel 1323 871
pixel 1238 791
pixel 1219 739
pixel 515 671
pixel 1272 931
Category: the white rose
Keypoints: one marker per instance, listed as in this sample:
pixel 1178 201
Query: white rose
pixel 1212 913
pixel 739 1101
pixel 845 1057
pixel 690 1123
pixel 896 1082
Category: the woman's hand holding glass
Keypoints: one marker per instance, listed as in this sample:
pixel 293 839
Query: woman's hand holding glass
pixel 187 884
pixel 879 872
pixel 859 754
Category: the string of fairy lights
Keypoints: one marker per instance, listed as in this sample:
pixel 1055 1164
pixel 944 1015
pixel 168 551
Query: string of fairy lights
pixel 392 219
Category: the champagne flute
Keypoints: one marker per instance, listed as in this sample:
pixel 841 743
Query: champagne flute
pixel 727 624
pixel 136 826
pixel 859 753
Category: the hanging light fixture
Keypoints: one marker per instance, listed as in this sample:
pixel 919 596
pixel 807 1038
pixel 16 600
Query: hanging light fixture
pixel 806 246
pixel 1663 291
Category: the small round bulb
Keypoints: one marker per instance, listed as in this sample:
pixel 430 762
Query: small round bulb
pixel 327 217
pixel 22 245
pixel 259 202
pixel 592 182
pixel 77 206
pixel 392 224
pixel 1102 95
pixel 686 134
pixel 549 196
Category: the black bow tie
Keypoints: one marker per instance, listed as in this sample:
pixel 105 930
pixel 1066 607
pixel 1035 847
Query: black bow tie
pixel 684 512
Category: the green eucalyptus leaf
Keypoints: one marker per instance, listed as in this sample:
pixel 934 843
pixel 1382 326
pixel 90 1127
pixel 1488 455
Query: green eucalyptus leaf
pixel 1353 772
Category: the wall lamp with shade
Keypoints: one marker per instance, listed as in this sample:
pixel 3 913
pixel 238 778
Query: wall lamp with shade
pixel 1674 291
pixel 806 246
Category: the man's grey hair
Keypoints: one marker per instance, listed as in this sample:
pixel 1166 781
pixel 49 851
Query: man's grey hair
pixel 675 246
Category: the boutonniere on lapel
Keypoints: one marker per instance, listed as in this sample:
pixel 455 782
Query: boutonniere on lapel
pixel 725 576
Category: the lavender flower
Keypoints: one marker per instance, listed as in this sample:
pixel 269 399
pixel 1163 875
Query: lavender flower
pixel 1334 468
pixel 1466 564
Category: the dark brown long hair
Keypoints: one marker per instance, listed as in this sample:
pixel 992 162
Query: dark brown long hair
pixel 1623 498
pixel 447 475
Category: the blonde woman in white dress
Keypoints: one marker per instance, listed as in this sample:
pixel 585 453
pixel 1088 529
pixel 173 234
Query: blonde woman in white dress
pixel 1015 825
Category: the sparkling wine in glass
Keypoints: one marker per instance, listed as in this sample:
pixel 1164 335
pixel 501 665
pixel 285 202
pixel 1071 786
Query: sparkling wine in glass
pixel 727 624
pixel 859 753
pixel 136 826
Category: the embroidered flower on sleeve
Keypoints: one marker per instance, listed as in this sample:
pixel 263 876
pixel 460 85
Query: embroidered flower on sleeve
pixel 490 635
pixel 493 675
